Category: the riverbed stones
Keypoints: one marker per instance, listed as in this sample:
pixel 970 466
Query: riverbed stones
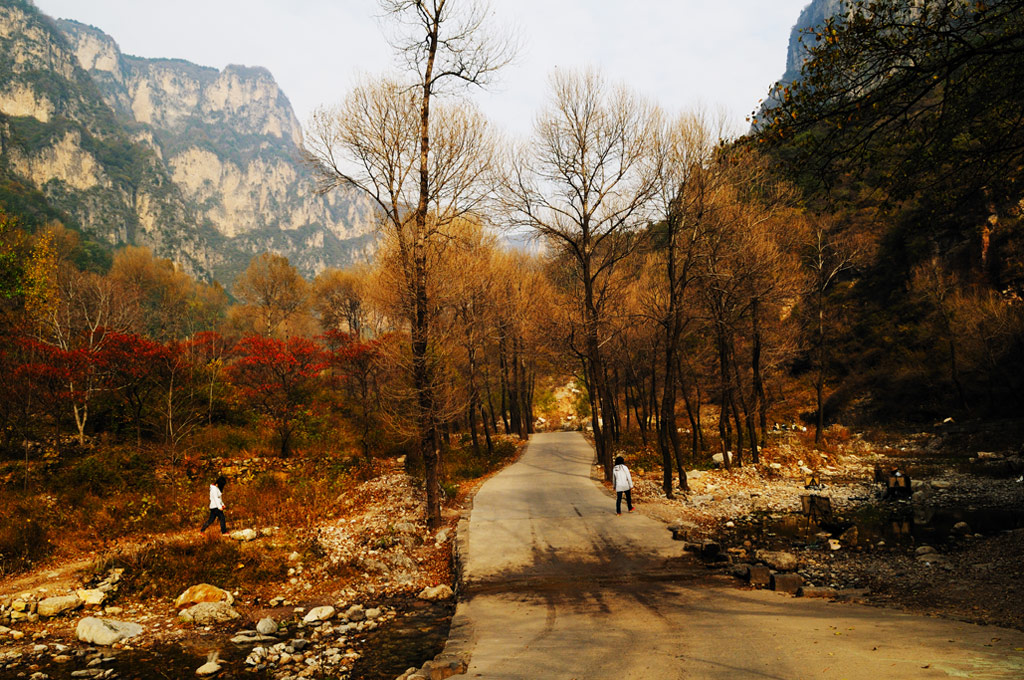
pixel 105 632
pixel 318 614
pixel 924 550
pixel 53 606
pixel 91 597
pixel 778 559
pixel 208 668
pixel 961 528
pixel 209 613
pixel 266 626
pixel 435 593
pixel 817 591
pixel 203 592
pixel 760 576
pixel 355 613
pixel 787 583
pixel 243 535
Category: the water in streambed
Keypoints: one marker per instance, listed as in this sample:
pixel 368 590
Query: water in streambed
pixel 415 636
pixel 896 524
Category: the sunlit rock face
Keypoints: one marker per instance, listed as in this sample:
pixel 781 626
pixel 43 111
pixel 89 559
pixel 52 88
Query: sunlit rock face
pixel 202 165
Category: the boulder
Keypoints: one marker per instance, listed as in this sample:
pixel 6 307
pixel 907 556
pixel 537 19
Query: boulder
pixel 925 550
pixel 203 592
pixel 316 614
pixel 355 613
pixel 960 528
pixel 777 559
pixel 91 597
pixel 719 458
pixel 266 626
pixel 372 613
pixel 209 613
pixel 208 668
pixel 759 575
pixel 850 536
pixel 787 583
pixel 105 632
pixel 817 591
pixel 52 606
pixel 923 494
pixel 941 484
pixel 243 535
pixel 439 592
pixel 682 531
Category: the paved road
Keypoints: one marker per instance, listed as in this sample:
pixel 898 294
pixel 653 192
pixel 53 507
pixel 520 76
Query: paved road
pixel 556 586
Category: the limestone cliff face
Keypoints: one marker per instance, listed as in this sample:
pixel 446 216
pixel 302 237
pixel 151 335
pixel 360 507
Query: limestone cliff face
pixel 231 142
pixel 63 154
pixel 201 165
pixel 813 15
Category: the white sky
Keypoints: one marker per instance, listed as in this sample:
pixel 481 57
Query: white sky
pixel 680 53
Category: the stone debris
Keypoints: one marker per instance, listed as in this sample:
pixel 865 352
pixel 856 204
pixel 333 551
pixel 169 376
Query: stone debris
pixel 439 592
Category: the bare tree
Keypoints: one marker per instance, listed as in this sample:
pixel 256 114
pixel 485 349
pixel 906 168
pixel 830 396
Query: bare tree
pixel 826 257
pixel 584 187
pixel 685 195
pixel 421 164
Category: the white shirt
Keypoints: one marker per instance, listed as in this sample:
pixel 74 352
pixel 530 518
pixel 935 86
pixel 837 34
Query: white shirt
pixel 621 479
pixel 216 503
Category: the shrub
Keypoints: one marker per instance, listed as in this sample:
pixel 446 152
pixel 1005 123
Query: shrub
pixel 24 539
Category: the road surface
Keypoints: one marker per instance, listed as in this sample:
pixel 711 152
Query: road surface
pixel 556 586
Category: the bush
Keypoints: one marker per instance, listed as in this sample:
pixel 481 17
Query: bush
pixel 166 569
pixel 24 539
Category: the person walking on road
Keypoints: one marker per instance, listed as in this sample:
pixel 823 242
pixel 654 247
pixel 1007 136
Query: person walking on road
pixel 217 505
pixel 623 483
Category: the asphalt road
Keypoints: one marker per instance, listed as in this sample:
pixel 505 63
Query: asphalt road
pixel 555 585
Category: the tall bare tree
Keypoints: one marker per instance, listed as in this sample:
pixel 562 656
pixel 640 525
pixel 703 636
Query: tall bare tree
pixel 687 184
pixel 421 164
pixel 584 187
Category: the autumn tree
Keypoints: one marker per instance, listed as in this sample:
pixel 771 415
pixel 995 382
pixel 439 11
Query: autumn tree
pixel 274 294
pixel 583 185
pixel 278 379
pixel 339 300
pixel 420 162
pixel 687 186
pixel 172 304
pixel 86 309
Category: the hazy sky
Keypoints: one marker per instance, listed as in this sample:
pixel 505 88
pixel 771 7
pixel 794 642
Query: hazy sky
pixel 681 53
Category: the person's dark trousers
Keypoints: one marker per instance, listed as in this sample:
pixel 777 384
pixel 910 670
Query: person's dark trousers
pixel 217 513
pixel 618 501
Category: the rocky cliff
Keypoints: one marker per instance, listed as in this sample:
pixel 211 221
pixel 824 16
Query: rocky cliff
pixel 200 164
pixel 812 15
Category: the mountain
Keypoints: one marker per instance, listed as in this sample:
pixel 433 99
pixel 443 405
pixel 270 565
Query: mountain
pixel 200 164
pixel 812 15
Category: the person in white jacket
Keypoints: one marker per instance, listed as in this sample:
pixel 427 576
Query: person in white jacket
pixel 217 505
pixel 623 483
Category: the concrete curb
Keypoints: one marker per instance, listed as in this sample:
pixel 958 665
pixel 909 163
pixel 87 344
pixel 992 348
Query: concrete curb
pixel 454 658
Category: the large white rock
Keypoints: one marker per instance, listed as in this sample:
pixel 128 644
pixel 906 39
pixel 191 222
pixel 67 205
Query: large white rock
pixel 319 614
pixel 105 632
pixel 52 606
